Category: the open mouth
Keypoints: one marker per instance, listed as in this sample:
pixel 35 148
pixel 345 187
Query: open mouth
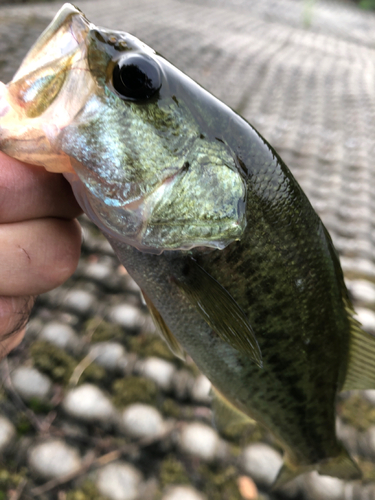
pixel 66 32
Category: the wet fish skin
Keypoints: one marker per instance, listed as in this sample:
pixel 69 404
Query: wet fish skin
pixel 201 210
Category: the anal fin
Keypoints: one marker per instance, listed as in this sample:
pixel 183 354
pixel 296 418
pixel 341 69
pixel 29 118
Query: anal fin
pixel 163 329
pixel 340 466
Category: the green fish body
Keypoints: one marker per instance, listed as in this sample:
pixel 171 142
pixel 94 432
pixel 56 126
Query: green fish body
pixel 236 267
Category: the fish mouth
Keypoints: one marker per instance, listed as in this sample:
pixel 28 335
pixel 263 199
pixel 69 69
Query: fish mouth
pixel 66 32
pixel 39 94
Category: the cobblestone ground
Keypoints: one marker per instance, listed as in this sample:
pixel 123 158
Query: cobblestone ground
pixel 93 405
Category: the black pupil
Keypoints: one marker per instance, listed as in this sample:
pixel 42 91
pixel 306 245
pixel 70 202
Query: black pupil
pixel 136 77
pixel 133 77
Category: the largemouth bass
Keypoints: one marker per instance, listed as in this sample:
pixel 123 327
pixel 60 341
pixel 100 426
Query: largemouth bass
pixel 236 267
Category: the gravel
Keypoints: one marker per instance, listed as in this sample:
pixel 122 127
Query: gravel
pixel 110 355
pixel 127 316
pixel 80 301
pixel 182 493
pixel 142 421
pixel 7 434
pixel 200 440
pixel 31 383
pixel 88 403
pixel 59 334
pixel 201 390
pixel 262 463
pixel 158 370
pixel 119 481
pixel 53 459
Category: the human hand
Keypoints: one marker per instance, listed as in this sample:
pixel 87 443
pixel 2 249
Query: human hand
pixel 39 241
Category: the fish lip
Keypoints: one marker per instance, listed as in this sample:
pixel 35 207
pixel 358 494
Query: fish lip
pixel 64 35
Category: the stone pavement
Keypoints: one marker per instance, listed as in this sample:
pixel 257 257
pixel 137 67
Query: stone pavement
pixel 93 405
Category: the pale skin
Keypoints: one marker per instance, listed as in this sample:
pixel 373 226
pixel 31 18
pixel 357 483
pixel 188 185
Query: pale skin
pixel 40 241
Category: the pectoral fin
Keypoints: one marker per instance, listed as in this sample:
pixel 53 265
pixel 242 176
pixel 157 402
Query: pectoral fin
pixel 163 329
pixel 219 309
pixel 227 418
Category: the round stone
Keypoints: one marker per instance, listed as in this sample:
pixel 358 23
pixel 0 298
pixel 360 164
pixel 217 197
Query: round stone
pixel 200 440
pixel 98 271
pixel 80 301
pixel 366 443
pixel 7 434
pixel 127 316
pixel 158 370
pixel 142 421
pixel 31 383
pixel 119 481
pixel 366 318
pixel 53 459
pixel 110 355
pixel 201 390
pixel 182 493
pixel 261 462
pixel 59 334
pixel 369 394
pixel 363 291
pixel 319 487
pixel 87 402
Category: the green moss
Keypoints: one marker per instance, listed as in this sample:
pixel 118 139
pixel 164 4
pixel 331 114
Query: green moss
pixel 150 345
pixel 170 408
pixel 93 373
pixel 39 406
pixel 220 484
pixel 134 390
pixel 368 470
pixel 358 412
pixel 367 4
pixel 88 491
pixel 9 479
pixel 23 425
pixel 172 471
pixel 52 361
pixel 102 331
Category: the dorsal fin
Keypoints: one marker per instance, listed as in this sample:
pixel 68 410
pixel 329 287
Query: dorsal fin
pixel 163 329
pixel 219 309
pixel 360 372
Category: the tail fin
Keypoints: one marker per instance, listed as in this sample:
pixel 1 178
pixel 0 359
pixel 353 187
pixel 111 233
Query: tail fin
pixel 341 466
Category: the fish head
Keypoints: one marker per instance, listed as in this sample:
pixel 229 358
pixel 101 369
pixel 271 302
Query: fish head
pixel 134 136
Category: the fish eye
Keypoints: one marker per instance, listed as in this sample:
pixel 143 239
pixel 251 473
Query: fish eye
pixel 136 76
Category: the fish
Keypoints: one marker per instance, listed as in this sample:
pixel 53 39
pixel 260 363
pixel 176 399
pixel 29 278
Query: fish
pixel 237 269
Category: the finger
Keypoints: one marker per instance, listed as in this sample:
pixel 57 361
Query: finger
pixel 30 192
pixel 37 255
pixel 14 313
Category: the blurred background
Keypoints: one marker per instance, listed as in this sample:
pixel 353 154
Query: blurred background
pixel 93 406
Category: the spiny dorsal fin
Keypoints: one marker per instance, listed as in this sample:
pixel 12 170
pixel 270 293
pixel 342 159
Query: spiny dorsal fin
pixel 163 329
pixel 227 418
pixel 219 309
pixel 360 372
